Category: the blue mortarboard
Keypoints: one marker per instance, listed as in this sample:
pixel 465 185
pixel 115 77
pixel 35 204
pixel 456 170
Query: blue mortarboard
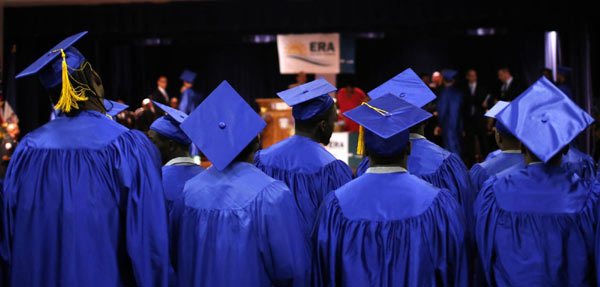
pixel 114 108
pixel 188 76
pixel 223 125
pixel 544 119
pixel 310 99
pixel 387 120
pixel 449 74
pixel 565 71
pixel 408 86
pixel 169 124
pixel 49 66
pixel 498 107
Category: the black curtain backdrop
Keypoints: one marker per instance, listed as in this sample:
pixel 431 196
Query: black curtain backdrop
pixel 131 45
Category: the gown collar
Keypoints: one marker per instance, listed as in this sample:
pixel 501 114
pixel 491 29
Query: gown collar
pixel 181 161
pixel 385 169
pixel 415 136
pixel 511 151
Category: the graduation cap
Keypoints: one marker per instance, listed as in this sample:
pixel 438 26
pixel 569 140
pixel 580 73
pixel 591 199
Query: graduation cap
pixel 386 121
pixel 223 125
pixel 544 119
pixel 55 67
pixel 449 74
pixel 114 108
pixel 498 107
pixel 310 99
pixel 188 76
pixel 169 124
pixel 408 86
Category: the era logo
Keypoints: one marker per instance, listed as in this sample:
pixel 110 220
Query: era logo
pixel 322 47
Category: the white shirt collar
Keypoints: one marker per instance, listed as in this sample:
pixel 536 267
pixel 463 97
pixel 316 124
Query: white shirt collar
pixel 509 81
pixel 163 91
pixel 385 169
pixel 512 151
pixel 415 136
pixel 181 161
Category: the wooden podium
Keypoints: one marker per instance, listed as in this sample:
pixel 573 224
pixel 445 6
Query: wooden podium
pixel 280 122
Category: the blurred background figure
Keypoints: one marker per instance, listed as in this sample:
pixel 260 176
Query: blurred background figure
pixel 436 83
pixel 474 96
pixel 349 97
pixel 126 117
pixel 425 78
pixel 7 115
pixel 449 107
pixel 174 103
pixel 190 98
pixel 300 79
pixel 510 87
pixel 562 81
pixel 145 115
pixel 160 93
pixel 10 140
pixel 548 74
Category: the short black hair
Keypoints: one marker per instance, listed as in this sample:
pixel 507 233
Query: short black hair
pixel 249 149
pixel 386 160
pixel 505 69
pixel 312 122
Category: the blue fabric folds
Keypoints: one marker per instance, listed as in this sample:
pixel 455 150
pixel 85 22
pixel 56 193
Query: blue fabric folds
pixel 309 171
pixel 480 172
pixel 579 162
pixel 83 206
pixel 190 99
pixel 238 227
pixel 389 230
pixel 536 227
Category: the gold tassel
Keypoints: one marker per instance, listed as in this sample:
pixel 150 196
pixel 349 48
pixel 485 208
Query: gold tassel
pixel 361 141
pixel 69 95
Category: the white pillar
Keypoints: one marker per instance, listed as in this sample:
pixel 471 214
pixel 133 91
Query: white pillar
pixel 551 42
pixel 1 36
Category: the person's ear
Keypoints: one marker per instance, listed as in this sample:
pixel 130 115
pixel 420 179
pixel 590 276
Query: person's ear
pixel 408 148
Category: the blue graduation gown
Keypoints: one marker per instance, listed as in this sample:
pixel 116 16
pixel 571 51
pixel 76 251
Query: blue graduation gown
pixel 238 227
pixel 441 168
pixel 174 178
pixel 579 162
pixel 190 99
pixel 390 229
pixel 308 169
pixel 493 154
pixel 449 109
pixel 83 206
pixel 535 227
pixel 480 172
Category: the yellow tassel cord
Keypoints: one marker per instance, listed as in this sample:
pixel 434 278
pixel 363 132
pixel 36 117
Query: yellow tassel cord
pixel 360 148
pixel 70 95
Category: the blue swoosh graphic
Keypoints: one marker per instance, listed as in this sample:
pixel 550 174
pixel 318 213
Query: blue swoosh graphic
pixel 302 58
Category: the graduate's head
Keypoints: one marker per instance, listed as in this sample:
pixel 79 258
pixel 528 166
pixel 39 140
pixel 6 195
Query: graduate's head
pixel 319 127
pixel 224 127
pixel 545 120
pixel 166 134
pixel 385 124
pixel 313 109
pixel 505 139
pixel 174 103
pixel 471 76
pixel 169 148
pixel 70 79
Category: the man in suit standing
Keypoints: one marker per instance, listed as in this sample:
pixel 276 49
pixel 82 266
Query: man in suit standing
pixel 475 97
pixel 160 93
pixel 510 88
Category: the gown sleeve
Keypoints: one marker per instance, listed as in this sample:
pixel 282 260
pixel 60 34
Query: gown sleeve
pixel 362 167
pixel 146 216
pixel 283 247
pixel 478 175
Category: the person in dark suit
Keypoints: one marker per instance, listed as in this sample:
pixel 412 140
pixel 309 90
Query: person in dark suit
pixel 510 87
pixel 475 101
pixel 160 93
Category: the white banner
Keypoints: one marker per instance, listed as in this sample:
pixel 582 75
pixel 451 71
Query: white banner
pixel 309 53
pixel 338 146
